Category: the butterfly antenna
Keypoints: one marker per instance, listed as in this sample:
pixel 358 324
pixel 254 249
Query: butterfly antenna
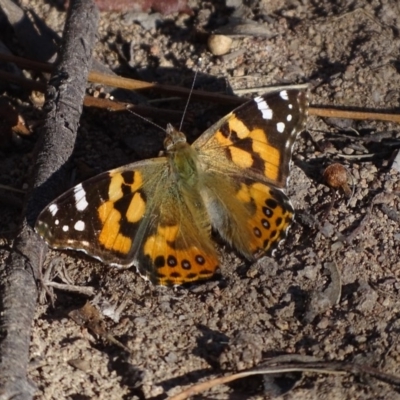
pixel 190 93
pixel 146 119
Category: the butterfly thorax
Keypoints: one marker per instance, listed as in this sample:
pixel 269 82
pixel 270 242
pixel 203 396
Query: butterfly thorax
pixel 182 157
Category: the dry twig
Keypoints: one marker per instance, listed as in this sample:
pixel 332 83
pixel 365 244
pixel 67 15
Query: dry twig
pixel 19 274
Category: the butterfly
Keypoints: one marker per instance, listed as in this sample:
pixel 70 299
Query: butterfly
pixel 158 214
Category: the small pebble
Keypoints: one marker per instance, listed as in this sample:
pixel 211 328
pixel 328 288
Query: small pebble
pixel 335 175
pixel 219 44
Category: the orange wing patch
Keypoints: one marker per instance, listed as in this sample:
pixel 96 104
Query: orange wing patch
pixel 237 126
pixel 118 181
pixel 242 154
pixel 136 208
pixel 177 266
pixel 111 218
pixel 269 154
pixel 110 236
pixel 241 158
pixel 271 218
pixel 223 140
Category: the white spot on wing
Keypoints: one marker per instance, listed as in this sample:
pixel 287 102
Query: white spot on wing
pixel 80 198
pixel 53 208
pixel 264 108
pixel 65 228
pixel 290 106
pixel 284 95
pixel 289 117
pixel 280 126
pixel 79 226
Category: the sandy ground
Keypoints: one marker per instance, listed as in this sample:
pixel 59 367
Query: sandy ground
pixel 180 336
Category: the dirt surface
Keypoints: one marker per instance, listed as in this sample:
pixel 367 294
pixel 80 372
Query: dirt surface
pixel 247 313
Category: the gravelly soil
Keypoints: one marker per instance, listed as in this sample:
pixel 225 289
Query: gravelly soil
pixel 179 336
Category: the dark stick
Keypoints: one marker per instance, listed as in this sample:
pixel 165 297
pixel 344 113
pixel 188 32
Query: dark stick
pixel 19 274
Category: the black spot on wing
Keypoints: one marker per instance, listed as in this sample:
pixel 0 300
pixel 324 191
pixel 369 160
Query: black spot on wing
pixel 245 144
pixel 185 264
pixel 257 232
pixel 126 190
pixel 224 129
pixel 265 224
pixel 200 259
pixel 207 273
pixel 127 228
pixel 267 212
pixel 172 261
pixel 271 203
pixel 258 162
pixel 159 262
pixel 128 177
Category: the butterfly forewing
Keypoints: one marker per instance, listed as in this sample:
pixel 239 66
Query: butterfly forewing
pixel 102 215
pixel 257 138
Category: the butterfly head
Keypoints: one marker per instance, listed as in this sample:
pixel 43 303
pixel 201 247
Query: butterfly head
pixel 174 139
